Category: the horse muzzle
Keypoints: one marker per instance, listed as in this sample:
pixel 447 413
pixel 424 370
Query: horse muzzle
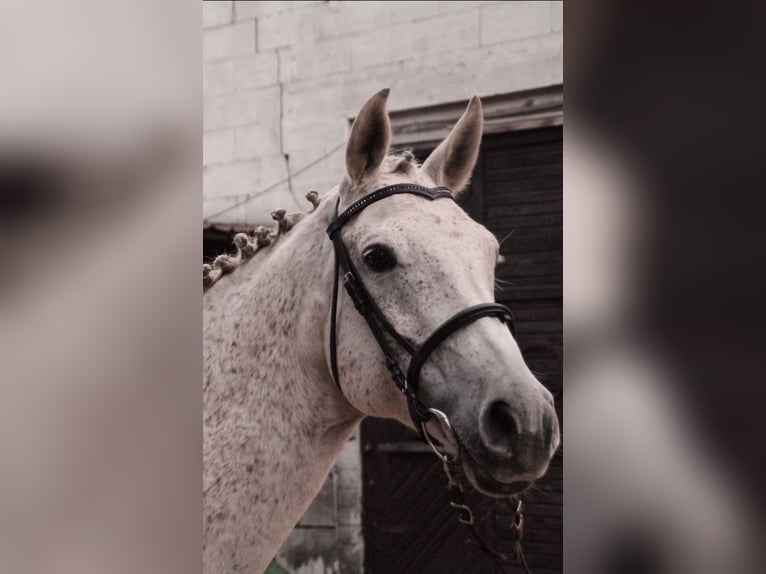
pixel 514 445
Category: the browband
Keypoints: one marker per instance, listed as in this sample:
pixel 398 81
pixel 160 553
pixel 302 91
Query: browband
pixel 412 189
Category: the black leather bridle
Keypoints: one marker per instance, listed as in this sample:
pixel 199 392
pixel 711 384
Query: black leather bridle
pixel 379 325
pixel 408 384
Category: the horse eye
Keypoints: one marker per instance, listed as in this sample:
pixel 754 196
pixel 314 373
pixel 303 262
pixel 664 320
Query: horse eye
pixel 379 258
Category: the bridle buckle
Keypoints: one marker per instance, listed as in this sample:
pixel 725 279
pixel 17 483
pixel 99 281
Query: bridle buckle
pixel 447 427
pixel 464 514
pixel 354 291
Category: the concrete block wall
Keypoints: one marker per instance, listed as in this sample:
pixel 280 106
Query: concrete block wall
pixel 328 539
pixel 281 81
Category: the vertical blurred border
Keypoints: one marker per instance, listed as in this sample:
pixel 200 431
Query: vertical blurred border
pixel 100 313
pixel 663 284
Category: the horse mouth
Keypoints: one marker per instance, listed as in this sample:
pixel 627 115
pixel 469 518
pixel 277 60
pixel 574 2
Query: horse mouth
pixel 479 476
pixel 488 485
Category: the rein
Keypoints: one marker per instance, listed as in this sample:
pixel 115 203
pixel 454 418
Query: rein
pixel 408 384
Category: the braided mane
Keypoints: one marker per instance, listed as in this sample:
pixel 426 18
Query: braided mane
pixel 248 244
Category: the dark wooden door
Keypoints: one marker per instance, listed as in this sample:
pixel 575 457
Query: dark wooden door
pixel 408 524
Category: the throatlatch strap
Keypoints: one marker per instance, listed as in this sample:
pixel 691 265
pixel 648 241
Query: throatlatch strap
pixel 333 324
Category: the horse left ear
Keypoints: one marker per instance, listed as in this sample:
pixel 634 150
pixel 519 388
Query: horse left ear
pixel 451 163
pixel 369 138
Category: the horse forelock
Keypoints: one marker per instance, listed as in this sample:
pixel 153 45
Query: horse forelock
pixel 401 162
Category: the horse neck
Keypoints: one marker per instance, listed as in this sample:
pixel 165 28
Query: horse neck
pixel 273 420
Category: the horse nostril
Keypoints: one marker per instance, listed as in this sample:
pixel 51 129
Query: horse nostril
pixel 498 426
pixel 502 417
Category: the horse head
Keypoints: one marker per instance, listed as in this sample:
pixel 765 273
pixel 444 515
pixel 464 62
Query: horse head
pixel 422 262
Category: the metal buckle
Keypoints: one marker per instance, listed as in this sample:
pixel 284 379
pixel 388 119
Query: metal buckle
pixel 517 522
pixel 445 426
pixel 464 514
pixel 354 291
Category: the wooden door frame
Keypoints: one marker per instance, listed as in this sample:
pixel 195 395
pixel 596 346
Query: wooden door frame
pixel 528 109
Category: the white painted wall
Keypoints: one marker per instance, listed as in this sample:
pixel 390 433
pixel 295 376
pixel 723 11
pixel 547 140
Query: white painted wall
pixel 282 80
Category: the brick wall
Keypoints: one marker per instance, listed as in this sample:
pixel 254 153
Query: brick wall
pixel 281 81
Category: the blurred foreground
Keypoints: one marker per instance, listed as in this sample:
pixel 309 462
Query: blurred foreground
pixel 100 310
pixel 664 412
pixel 649 486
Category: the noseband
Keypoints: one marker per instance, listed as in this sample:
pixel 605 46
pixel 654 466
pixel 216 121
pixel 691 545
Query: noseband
pixel 408 384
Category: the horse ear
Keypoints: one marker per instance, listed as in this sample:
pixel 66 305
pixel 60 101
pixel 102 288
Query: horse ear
pixel 370 135
pixel 452 162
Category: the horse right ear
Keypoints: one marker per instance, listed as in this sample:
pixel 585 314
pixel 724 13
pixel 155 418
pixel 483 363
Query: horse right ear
pixel 368 142
pixel 452 162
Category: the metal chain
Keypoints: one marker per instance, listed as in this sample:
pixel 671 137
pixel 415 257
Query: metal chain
pixel 465 516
